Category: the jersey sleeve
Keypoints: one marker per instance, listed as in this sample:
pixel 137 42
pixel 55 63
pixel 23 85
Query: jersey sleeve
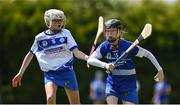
pixel 97 53
pixel 71 42
pixel 34 47
pixel 134 51
pixel 145 53
pixel 126 44
pixel 94 58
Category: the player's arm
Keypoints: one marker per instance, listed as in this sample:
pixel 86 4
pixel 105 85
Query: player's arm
pixel 16 81
pixel 79 54
pixel 25 63
pixel 145 53
pixel 94 60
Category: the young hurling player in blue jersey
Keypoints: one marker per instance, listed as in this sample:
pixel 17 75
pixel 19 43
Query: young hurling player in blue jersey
pixel 97 88
pixel 121 81
pixel 54 49
pixel 162 91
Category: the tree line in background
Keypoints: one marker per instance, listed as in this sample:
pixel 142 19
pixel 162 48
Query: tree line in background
pixel 22 20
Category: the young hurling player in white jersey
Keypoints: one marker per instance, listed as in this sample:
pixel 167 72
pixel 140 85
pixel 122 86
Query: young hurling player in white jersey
pixel 121 81
pixel 54 49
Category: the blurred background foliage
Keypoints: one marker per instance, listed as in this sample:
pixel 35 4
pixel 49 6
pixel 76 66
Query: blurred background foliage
pixel 21 20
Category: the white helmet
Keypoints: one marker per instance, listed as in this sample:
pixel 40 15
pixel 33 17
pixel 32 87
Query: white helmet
pixel 53 14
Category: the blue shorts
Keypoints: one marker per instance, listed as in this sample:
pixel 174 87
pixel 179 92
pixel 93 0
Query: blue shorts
pixel 130 96
pixel 65 78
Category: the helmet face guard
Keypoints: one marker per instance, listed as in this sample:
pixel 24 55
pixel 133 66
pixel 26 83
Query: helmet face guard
pixel 113 24
pixel 54 14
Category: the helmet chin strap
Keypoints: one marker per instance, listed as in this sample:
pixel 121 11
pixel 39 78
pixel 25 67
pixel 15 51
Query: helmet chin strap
pixel 114 45
pixel 55 31
pixel 111 41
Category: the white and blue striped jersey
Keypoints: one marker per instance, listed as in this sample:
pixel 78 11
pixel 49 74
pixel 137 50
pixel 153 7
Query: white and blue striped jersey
pixel 54 51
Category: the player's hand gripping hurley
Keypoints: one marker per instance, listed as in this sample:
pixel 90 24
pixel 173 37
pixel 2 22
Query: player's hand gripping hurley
pixel 99 32
pixel 146 32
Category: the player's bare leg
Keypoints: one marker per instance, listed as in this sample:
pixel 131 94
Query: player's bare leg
pixel 73 96
pixel 112 100
pixel 51 89
pixel 127 102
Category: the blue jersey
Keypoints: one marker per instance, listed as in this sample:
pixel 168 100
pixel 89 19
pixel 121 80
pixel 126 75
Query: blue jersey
pixel 98 86
pixel 163 89
pixel 120 82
